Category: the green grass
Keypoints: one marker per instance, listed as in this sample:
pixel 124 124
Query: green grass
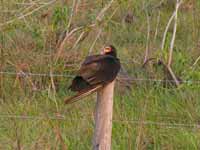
pixel 29 45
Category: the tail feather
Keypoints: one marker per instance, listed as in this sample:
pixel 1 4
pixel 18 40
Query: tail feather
pixel 78 84
pixel 82 94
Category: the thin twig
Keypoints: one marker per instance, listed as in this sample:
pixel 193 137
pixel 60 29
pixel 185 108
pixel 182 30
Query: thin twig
pixel 102 12
pixel 81 36
pixel 196 61
pixel 174 33
pixel 71 16
pixel 68 34
pixel 61 47
pixel 99 19
pixel 148 36
pixel 166 30
pixel 159 4
pixel 100 30
pixel 95 40
pixel 31 3
pixel 157 25
pixel 172 44
pixel 27 14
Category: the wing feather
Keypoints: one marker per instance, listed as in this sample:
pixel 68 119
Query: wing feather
pixel 82 94
pixel 99 69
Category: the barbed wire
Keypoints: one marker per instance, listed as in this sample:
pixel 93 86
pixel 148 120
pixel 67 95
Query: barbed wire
pixel 63 118
pixel 25 74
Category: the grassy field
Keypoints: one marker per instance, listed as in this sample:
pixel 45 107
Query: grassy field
pixel 149 115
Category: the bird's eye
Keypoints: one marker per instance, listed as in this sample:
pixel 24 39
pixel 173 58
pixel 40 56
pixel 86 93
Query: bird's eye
pixel 107 49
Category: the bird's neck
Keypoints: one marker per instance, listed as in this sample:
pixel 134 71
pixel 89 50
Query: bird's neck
pixel 112 54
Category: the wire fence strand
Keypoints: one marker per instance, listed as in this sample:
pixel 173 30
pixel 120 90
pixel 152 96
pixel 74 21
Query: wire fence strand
pixel 25 74
pixel 64 118
pixel 138 122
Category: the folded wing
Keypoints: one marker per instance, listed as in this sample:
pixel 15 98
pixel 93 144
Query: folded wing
pixel 100 69
pixel 94 73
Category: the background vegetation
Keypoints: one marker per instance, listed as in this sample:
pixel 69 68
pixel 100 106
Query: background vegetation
pixel 51 38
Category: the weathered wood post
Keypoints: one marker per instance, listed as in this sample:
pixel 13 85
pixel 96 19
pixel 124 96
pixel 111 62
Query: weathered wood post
pixel 103 118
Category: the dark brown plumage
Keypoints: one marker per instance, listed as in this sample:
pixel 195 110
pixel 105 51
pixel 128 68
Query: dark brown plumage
pixel 95 72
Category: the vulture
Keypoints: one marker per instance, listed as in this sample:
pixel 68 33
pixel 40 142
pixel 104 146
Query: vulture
pixel 95 72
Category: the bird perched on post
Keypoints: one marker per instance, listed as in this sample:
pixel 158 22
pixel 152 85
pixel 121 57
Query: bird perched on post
pixel 95 72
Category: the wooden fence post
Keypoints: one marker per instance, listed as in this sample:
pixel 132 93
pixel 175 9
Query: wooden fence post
pixel 103 118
